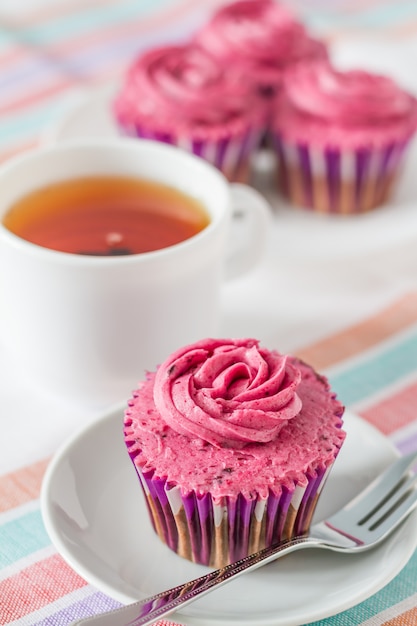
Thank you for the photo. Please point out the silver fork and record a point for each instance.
(360, 525)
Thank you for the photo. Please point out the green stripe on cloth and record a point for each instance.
(377, 372)
(21, 537)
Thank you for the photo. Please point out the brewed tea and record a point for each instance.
(106, 216)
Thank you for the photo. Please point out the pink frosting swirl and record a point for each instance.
(227, 392)
(261, 36)
(247, 28)
(182, 85)
(347, 97)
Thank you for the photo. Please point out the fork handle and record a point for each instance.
(144, 612)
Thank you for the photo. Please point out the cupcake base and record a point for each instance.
(231, 155)
(332, 181)
(218, 533)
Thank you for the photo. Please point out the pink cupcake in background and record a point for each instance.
(232, 444)
(341, 137)
(182, 96)
(261, 37)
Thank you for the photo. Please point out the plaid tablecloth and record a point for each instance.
(354, 319)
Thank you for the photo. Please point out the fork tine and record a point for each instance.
(383, 486)
(392, 500)
(393, 505)
(393, 516)
(380, 507)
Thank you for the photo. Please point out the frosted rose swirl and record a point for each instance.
(227, 392)
(248, 28)
(184, 83)
(260, 37)
(347, 97)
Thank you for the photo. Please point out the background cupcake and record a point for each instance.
(180, 95)
(341, 137)
(261, 37)
(232, 444)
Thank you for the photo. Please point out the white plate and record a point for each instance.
(96, 516)
(298, 234)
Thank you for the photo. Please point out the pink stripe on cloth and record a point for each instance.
(35, 587)
(21, 486)
(395, 412)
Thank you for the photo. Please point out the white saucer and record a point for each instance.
(95, 514)
(298, 234)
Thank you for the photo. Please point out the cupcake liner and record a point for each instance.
(203, 530)
(330, 180)
(231, 155)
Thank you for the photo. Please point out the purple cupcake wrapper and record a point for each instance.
(214, 534)
(338, 181)
(231, 155)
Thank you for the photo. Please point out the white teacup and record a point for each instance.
(86, 328)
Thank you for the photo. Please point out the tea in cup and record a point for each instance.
(112, 254)
(106, 216)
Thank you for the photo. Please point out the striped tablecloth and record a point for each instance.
(356, 324)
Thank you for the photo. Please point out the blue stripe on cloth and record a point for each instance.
(400, 588)
(22, 536)
(377, 372)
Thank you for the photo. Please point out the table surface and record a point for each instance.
(350, 309)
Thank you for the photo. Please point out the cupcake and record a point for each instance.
(232, 444)
(341, 137)
(182, 96)
(262, 38)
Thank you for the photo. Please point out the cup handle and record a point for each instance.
(251, 215)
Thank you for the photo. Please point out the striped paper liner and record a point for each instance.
(218, 533)
(231, 155)
(337, 181)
